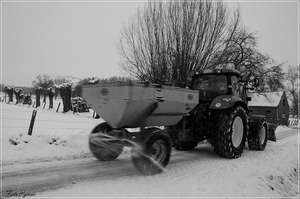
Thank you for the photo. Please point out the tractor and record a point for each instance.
(221, 117)
(214, 108)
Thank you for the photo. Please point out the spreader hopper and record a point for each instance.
(127, 105)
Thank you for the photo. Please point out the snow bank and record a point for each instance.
(55, 136)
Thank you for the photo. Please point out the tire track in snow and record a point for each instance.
(199, 165)
(62, 175)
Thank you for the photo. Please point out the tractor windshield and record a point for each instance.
(211, 86)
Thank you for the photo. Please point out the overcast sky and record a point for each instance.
(79, 39)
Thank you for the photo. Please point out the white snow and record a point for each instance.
(59, 137)
(268, 99)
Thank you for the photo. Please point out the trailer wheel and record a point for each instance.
(229, 132)
(100, 145)
(259, 138)
(154, 155)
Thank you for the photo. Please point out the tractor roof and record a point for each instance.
(220, 71)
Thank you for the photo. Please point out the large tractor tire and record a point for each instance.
(229, 131)
(154, 154)
(102, 144)
(259, 135)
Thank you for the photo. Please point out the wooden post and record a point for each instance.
(57, 107)
(32, 122)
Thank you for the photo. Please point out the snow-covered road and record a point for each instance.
(54, 175)
(49, 176)
(37, 166)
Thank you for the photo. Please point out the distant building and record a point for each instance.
(274, 105)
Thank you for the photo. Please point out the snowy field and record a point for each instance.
(62, 139)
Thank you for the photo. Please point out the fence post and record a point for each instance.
(32, 122)
(57, 107)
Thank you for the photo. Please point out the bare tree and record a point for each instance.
(241, 53)
(272, 78)
(60, 80)
(292, 77)
(167, 41)
(42, 83)
(65, 90)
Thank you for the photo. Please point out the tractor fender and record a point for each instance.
(254, 122)
(227, 101)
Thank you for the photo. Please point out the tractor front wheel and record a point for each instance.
(229, 132)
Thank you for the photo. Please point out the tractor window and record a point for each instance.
(211, 86)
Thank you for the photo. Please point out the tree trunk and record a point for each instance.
(37, 96)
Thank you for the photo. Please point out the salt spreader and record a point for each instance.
(150, 108)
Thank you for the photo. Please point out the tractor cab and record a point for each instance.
(214, 83)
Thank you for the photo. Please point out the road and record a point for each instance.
(40, 177)
(285, 134)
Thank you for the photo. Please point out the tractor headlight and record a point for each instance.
(218, 105)
(226, 99)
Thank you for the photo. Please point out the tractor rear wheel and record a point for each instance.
(154, 154)
(103, 145)
(229, 130)
(259, 138)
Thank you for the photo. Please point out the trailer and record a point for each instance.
(148, 108)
